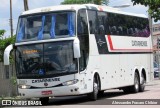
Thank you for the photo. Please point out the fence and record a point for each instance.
(7, 88)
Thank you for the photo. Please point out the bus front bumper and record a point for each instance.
(49, 92)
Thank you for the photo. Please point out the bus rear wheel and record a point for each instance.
(44, 100)
(142, 86)
(135, 87)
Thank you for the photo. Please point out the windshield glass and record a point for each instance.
(51, 59)
(46, 26)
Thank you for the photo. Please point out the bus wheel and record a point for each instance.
(44, 100)
(135, 87)
(101, 93)
(142, 86)
(93, 95)
(127, 89)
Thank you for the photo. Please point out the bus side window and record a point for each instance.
(92, 16)
(102, 17)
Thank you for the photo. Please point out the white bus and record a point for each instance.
(81, 49)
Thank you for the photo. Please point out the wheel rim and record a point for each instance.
(143, 82)
(95, 88)
(136, 84)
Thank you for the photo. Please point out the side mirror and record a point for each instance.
(76, 48)
(6, 54)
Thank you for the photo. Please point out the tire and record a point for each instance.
(94, 94)
(142, 86)
(44, 100)
(135, 87)
(127, 90)
(101, 93)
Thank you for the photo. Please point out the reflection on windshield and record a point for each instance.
(47, 26)
(45, 59)
(59, 57)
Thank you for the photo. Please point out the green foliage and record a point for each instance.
(154, 7)
(4, 43)
(98, 2)
(14, 80)
(2, 33)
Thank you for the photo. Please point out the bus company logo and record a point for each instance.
(45, 84)
(6, 102)
(139, 43)
(45, 80)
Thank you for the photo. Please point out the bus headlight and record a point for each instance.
(24, 86)
(71, 82)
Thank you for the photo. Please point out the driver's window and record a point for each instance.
(82, 29)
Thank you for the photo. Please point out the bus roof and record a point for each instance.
(78, 6)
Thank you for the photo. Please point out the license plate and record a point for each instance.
(46, 92)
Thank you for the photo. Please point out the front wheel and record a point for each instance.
(44, 100)
(93, 95)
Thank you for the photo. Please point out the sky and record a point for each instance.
(18, 8)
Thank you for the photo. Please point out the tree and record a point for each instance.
(4, 43)
(98, 2)
(154, 9)
(2, 32)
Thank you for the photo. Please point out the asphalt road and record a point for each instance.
(152, 91)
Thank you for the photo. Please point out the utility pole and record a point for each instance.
(25, 5)
(151, 33)
(11, 20)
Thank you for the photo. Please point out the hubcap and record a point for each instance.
(136, 84)
(95, 88)
(143, 82)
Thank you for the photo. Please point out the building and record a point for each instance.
(156, 41)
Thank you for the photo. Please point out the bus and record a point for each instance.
(69, 50)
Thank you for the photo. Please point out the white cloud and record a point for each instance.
(6, 3)
(119, 2)
(4, 22)
(139, 9)
(43, 3)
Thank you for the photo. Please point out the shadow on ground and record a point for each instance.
(84, 100)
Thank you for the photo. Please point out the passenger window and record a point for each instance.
(102, 17)
(92, 16)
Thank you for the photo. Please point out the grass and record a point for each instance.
(16, 97)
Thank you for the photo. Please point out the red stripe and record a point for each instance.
(110, 42)
(125, 49)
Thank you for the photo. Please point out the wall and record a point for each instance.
(6, 84)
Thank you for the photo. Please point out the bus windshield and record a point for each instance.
(46, 26)
(45, 59)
